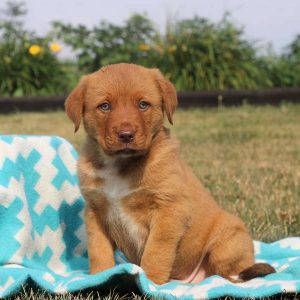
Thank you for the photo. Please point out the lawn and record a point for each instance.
(248, 157)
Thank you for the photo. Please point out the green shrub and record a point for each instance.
(108, 43)
(202, 55)
(290, 60)
(28, 64)
(194, 53)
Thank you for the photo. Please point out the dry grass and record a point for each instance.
(30, 294)
(249, 157)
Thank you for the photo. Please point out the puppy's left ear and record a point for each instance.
(74, 103)
(168, 94)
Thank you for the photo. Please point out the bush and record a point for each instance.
(28, 64)
(195, 54)
(202, 55)
(290, 60)
(108, 43)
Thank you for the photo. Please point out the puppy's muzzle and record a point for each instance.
(126, 136)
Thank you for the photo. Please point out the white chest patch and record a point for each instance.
(129, 229)
(115, 188)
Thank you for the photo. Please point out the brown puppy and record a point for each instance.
(140, 196)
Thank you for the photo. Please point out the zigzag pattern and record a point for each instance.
(67, 182)
(7, 236)
(42, 201)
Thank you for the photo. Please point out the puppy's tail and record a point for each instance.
(257, 270)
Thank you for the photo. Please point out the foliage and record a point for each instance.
(291, 63)
(202, 55)
(195, 54)
(283, 70)
(27, 64)
(108, 43)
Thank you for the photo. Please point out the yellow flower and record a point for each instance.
(34, 50)
(144, 47)
(55, 47)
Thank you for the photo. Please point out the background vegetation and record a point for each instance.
(195, 54)
(27, 64)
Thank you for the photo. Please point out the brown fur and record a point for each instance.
(140, 196)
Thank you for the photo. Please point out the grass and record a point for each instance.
(33, 294)
(112, 295)
(248, 157)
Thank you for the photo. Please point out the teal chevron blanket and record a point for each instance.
(42, 235)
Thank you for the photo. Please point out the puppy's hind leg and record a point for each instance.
(232, 255)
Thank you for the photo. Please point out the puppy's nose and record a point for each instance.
(126, 136)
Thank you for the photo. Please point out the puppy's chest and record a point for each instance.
(128, 234)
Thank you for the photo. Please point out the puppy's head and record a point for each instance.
(122, 107)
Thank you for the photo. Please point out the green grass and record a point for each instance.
(248, 157)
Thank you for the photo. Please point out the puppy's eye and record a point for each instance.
(143, 105)
(105, 106)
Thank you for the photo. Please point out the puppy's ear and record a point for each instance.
(168, 94)
(74, 103)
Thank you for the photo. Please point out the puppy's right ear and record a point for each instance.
(74, 103)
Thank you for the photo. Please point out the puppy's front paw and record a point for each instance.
(157, 279)
(157, 276)
(100, 267)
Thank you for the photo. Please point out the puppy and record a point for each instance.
(140, 196)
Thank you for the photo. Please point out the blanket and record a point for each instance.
(42, 234)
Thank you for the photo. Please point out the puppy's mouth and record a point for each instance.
(113, 147)
(127, 151)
